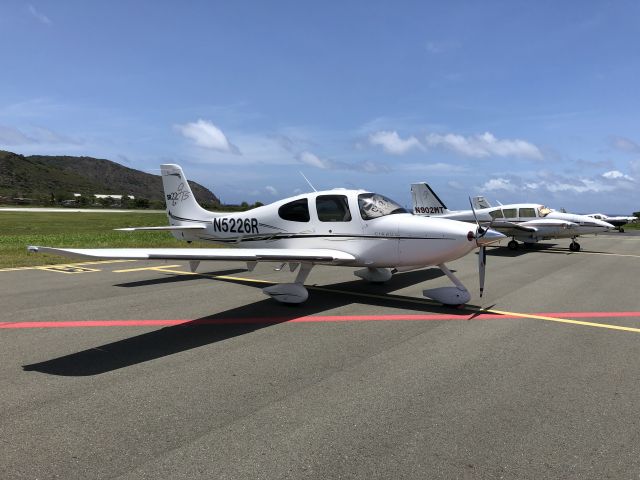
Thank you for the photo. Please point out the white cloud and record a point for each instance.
(438, 47)
(583, 185)
(617, 175)
(309, 158)
(391, 142)
(499, 184)
(206, 135)
(485, 145)
(13, 136)
(367, 166)
(624, 144)
(271, 190)
(434, 168)
(39, 16)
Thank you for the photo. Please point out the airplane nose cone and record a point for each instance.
(491, 236)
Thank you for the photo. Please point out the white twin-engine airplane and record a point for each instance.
(353, 228)
(527, 222)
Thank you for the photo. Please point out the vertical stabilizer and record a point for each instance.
(181, 203)
(425, 200)
(480, 202)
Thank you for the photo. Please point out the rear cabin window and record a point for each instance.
(333, 208)
(509, 212)
(496, 214)
(296, 211)
(527, 212)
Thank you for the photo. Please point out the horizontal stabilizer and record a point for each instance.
(168, 228)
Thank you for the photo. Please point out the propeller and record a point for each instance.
(482, 254)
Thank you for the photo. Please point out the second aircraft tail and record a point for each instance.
(425, 200)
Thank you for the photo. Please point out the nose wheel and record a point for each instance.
(574, 246)
(513, 245)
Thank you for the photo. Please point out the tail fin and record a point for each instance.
(480, 202)
(181, 204)
(425, 200)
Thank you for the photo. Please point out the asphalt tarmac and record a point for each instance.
(137, 370)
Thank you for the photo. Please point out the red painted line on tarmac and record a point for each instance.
(303, 319)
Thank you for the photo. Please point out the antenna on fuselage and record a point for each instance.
(307, 180)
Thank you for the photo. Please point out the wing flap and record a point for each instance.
(313, 255)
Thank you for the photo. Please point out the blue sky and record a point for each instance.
(519, 101)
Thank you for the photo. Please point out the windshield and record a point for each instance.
(373, 205)
(543, 211)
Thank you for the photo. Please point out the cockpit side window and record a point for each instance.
(527, 212)
(333, 208)
(374, 205)
(496, 213)
(509, 212)
(296, 211)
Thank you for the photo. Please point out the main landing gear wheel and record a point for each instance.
(621, 230)
(574, 247)
(513, 245)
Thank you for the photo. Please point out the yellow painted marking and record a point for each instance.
(565, 320)
(40, 267)
(145, 268)
(311, 287)
(68, 269)
(421, 301)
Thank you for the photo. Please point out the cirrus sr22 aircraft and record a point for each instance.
(527, 222)
(353, 228)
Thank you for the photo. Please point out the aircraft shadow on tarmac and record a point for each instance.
(177, 278)
(232, 323)
(523, 249)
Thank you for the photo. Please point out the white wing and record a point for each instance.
(312, 255)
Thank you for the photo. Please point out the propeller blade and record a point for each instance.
(474, 212)
(479, 231)
(482, 263)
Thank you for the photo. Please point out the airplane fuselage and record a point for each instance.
(399, 239)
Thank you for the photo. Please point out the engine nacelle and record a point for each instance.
(375, 275)
(448, 295)
(287, 292)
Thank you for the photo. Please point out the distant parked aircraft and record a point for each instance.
(617, 222)
(527, 222)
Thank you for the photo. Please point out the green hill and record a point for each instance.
(38, 177)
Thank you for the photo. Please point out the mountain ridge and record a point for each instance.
(41, 176)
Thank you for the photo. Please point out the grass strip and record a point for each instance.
(77, 229)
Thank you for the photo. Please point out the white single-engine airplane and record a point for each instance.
(353, 228)
(527, 222)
